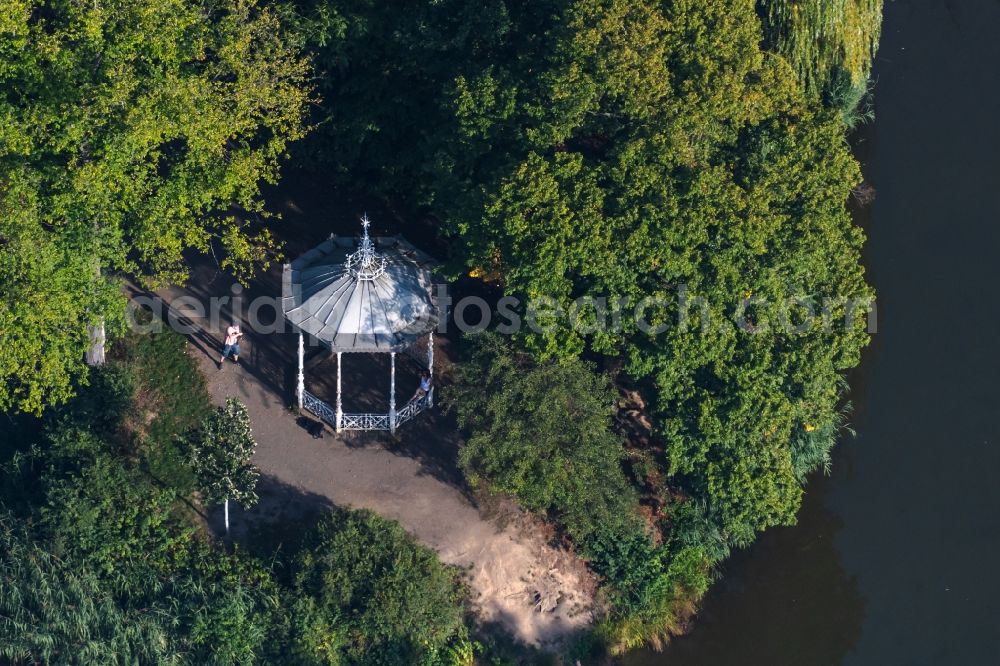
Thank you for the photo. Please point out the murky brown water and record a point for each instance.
(894, 560)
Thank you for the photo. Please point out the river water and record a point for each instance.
(895, 557)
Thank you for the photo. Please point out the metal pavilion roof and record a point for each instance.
(373, 296)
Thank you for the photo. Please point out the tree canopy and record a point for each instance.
(641, 152)
(131, 131)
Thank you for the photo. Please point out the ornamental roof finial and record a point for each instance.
(366, 263)
(365, 223)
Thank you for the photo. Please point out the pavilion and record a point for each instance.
(374, 296)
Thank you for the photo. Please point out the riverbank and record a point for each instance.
(891, 562)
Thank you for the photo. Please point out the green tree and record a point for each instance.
(132, 131)
(659, 151)
(98, 510)
(830, 43)
(220, 454)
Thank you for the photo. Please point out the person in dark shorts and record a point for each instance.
(231, 347)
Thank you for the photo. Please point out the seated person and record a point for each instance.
(425, 386)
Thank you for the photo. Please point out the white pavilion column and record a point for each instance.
(300, 390)
(430, 367)
(340, 405)
(392, 392)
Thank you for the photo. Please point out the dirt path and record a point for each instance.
(410, 479)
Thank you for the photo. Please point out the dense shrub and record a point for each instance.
(103, 511)
(138, 406)
(103, 529)
(210, 608)
(104, 476)
(541, 432)
(366, 593)
(658, 608)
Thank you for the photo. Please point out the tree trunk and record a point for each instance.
(226, 503)
(95, 355)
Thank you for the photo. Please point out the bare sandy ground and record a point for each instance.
(539, 593)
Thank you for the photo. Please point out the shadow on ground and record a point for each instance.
(280, 503)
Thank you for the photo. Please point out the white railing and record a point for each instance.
(411, 409)
(319, 408)
(367, 421)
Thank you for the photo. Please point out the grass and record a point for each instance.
(170, 397)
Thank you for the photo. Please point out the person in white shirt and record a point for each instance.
(232, 344)
(425, 386)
